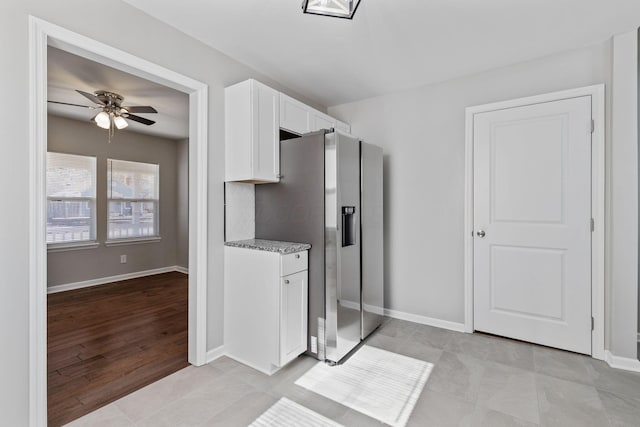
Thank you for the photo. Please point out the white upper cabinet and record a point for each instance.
(321, 121)
(342, 126)
(294, 115)
(254, 115)
(252, 134)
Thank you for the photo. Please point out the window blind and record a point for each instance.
(71, 192)
(133, 192)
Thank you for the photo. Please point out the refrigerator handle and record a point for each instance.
(348, 226)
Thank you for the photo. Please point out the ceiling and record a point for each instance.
(391, 45)
(68, 72)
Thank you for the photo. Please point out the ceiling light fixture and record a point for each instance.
(113, 114)
(120, 122)
(336, 8)
(103, 120)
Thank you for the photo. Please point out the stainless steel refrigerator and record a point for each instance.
(330, 195)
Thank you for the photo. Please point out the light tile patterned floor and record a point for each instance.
(477, 380)
(286, 413)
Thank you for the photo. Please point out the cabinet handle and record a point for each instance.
(297, 256)
(286, 282)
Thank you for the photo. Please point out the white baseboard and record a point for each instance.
(111, 279)
(214, 354)
(618, 362)
(181, 269)
(438, 323)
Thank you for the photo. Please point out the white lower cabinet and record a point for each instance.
(293, 316)
(265, 307)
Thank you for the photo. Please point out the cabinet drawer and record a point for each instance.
(292, 263)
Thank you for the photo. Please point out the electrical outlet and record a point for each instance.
(123, 259)
(314, 345)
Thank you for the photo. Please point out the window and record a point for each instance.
(133, 196)
(71, 198)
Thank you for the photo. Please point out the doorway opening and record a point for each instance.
(117, 235)
(44, 35)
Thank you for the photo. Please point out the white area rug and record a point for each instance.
(286, 413)
(376, 382)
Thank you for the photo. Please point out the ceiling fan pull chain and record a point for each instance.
(110, 128)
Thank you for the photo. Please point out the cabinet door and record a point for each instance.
(266, 133)
(294, 115)
(321, 121)
(293, 316)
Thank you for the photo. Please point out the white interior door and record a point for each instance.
(532, 223)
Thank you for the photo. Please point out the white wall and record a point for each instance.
(422, 134)
(240, 211)
(638, 120)
(129, 29)
(182, 226)
(79, 137)
(623, 196)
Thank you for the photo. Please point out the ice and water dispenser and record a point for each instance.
(348, 226)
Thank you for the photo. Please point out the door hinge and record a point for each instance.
(593, 322)
(593, 126)
(593, 225)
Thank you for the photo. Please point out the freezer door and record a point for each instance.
(342, 244)
(372, 238)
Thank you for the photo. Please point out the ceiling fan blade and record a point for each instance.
(138, 119)
(91, 97)
(140, 109)
(73, 105)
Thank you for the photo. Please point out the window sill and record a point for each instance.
(75, 246)
(134, 241)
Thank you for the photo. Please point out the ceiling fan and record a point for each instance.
(113, 114)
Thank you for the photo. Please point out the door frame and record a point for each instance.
(41, 35)
(597, 93)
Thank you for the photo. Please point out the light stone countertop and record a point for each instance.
(270, 246)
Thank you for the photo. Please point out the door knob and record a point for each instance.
(480, 233)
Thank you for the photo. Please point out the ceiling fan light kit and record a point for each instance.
(120, 122)
(334, 8)
(113, 115)
(103, 120)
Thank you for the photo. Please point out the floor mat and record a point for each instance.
(375, 382)
(286, 413)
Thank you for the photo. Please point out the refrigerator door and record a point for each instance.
(342, 244)
(372, 238)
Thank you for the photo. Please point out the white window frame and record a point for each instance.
(111, 241)
(92, 242)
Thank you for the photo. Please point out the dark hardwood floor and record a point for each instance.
(107, 341)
